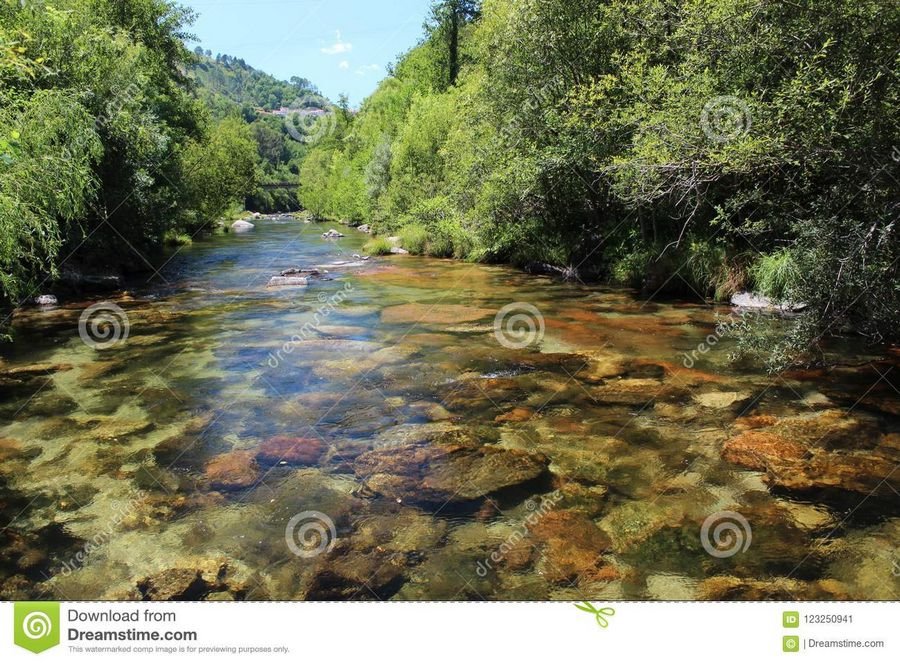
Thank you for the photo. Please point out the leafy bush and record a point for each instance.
(414, 238)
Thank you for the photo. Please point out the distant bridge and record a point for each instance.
(279, 185)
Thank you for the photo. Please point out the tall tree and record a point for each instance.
(447, 18)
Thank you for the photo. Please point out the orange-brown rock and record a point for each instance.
(9, 449)
(431, 314)
(760, 450)
(755, 421)
(515, 415)
(858, 472)
(284, 449)
(572, 544)
(450, 468)
(232, 470)
(720, 588)
(636, 391)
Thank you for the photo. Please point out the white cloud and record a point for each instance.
(343, 64)
(367, 69)
(338, 47)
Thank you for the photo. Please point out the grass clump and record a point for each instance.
(173, 238)
(414, 238)
(377, 246)
(776, 274)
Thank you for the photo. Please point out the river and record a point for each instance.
(412, 428)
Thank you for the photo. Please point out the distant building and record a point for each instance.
(284, 111)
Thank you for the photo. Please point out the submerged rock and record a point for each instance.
(358, 576)
(331, 233)
(233, 470)
(573, 546)
(805, 453)
(432, 314)
(174, 585)
(10, 449)
(286, 450)
(637, 391)
(720, 400)
(515, 415)
(633, 523)
(722, 588)
(446, 470)
(759, 450)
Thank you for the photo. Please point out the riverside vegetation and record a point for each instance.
(115, 138)
(695, 148)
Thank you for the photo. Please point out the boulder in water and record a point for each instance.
(242, 226)
(287, 281)
(46, 300)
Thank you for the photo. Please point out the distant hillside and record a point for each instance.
(230, 87)
(225, 81)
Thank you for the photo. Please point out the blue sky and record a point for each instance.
(340, 45)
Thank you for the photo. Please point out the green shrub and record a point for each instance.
(414, 238)
(377, 246)
(174, 238)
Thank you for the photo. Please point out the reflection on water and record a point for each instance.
(377, 435)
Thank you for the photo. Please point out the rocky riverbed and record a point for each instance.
(410, 428)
